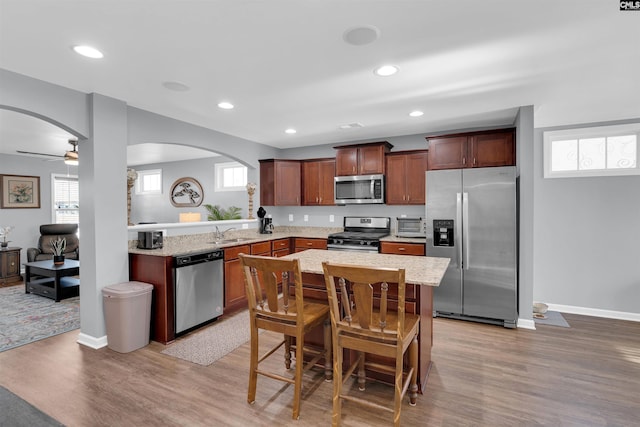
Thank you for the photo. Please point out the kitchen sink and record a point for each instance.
(236, 240)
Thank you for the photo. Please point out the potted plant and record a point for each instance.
(4, 232)
(59, 245)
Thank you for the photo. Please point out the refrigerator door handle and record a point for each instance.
(458, 239)
(465, 228)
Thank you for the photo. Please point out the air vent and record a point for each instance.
(352, 126)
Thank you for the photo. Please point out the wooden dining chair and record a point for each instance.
(278, 311)
(361, 321)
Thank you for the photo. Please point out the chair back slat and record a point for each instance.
(356, 286)
(363, 299)
(260, 277)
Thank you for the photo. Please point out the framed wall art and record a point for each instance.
(186, 192)
(19, 192)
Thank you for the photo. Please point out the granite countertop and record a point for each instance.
(195, 243)
(419, 270)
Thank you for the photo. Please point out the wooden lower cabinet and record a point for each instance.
(235, 296)
(302, 244)
(158, 271)
(401, 248)
(10, 265)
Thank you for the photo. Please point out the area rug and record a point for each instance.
(17, 412)
(213, 342)
(553, 318)
(25, 318)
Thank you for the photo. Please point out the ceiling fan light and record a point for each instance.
(71, 158)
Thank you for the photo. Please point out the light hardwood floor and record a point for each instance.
(483, 375)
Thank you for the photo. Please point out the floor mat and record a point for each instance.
(553, 318)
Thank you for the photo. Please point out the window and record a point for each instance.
(597, 151)
(149, 182)
(66, 199)
(230, 176)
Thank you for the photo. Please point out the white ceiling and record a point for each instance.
(465, 63)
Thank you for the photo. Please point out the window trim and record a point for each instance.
(586, 133)
(138, 184)
(55, 176)
(218, 172)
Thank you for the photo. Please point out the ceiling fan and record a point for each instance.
(70, 157)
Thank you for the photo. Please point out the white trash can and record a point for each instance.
(127, 315)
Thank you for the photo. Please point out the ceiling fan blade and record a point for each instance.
(39, 154)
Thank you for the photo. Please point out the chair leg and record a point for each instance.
(397, 400)
(337, 383)
(298, 376)
(413, 360)
(287, 351)
(361, 375)
(253, 364)
(328, 369)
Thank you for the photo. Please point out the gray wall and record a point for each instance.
(587, 238)
(158, 208)
(27, 221)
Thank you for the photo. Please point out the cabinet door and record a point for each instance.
(311, 183)
(415, 168)
(234, 292)
(327, 171)
(287, 184)
(448, 153)
(371, 160)
(347, 161)
(493, 149)
(396, 180)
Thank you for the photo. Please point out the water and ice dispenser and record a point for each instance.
(442, 232)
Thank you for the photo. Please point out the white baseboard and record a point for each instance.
(596, 312)
(93, 342)
(526, 324)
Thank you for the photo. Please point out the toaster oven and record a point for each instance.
(410, 227)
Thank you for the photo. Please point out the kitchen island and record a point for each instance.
(421, 275)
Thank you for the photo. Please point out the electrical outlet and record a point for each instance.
(290, 217)
(306, 218)
(245, 226)
(332, 218)
(403, 216)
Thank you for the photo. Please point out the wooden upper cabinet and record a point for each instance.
(406, 177)
(317, 182)
(280, 182)
(492, 149)
(472, 150)
(448, 152)
(361, 159)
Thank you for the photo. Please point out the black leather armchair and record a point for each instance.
(49, 233)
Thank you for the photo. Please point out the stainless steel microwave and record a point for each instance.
(359, 189)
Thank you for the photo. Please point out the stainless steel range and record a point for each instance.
(360, 234)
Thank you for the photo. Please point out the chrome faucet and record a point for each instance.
(219, 235)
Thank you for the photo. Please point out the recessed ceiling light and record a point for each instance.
(88, 51)
(354, 125)
(226, 105)
(177, 86)
(361, 35)
(290, 131)
(386, 70)
(416, 113)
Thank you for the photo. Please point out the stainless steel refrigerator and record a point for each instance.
(472, 219)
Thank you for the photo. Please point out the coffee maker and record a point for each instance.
(266, 224)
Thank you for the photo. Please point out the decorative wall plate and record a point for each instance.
(186, 192)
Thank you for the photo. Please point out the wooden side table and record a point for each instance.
(10, 265)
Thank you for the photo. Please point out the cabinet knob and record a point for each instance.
(401, 249)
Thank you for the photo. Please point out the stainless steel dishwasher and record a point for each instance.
(198, 289)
